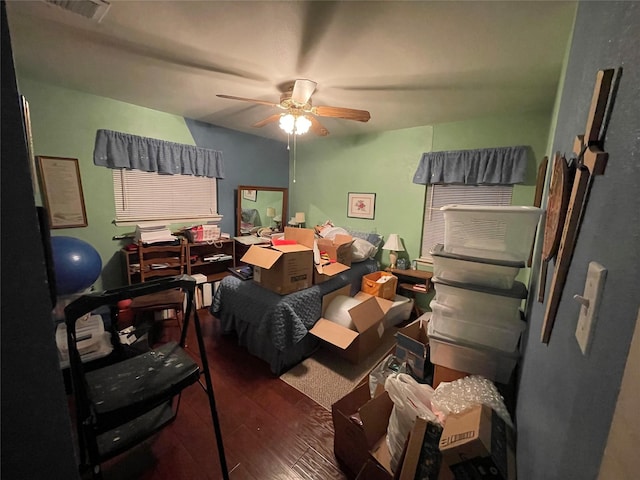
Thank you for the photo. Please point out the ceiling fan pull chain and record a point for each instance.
(295, 143)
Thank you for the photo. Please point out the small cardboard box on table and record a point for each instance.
(284, 268)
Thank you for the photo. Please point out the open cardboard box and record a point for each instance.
(358, 422)
(285, 268)
(413, 347)
(322, 273)
(354, 345)
(338, 248)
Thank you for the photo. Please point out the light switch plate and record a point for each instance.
(590, 302)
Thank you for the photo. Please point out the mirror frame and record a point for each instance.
(285, 202)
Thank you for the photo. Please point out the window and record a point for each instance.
(440, 195)
(143, 196)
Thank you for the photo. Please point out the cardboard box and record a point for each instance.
(372, 286)
(322, 273)
(338, 248)
(354, 345)
(358, 422)
(286, 268)
(413, 347)
(360, 425)
(478, 443)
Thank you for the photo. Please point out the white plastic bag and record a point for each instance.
(410, 400)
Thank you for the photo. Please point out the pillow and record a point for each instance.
(330, 232)
(362, 249)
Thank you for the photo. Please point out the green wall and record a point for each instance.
(328, 169)
(64, 124)
(384, 164)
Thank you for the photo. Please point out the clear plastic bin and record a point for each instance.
(482, 330)
(478, 271)
(493, 364)
(498, 233)
(467, 299)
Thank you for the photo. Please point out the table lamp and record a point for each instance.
(271, 212)
(300, 218)
(394, 245)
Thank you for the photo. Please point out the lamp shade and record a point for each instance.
(393, 243)
(300, 217)
(271, 212)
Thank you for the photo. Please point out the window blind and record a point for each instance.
(440, 195)
(143, 196)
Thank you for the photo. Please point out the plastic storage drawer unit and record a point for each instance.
(473, 300)
(498, 233)
(472, 359)
(478, 271)
(485, 331)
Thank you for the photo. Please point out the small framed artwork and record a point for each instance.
(249, 195)
(62, 192)
(361, 205)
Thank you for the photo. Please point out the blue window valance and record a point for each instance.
(122, 150)
(493, 166)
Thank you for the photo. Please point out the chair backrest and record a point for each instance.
(158, 261)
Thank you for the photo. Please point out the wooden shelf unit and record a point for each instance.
(197, 251)
(214, 270)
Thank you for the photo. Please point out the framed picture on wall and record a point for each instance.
(250, 195)
(62, 192)
(361, 205)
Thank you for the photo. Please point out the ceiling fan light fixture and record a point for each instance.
(302, 125)
(294, 124)
(287, 123)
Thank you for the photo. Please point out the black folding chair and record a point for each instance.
(120, 405)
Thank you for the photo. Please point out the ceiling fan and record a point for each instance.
(300, 114)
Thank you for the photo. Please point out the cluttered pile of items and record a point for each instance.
(394, 427)
(407, 421)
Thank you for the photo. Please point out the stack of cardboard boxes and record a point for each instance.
(290, 265)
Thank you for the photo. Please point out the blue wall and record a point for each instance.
(566, 399)
(248, 160)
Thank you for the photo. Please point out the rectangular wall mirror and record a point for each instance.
(259, 208)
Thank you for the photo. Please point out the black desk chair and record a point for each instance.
(122, 404)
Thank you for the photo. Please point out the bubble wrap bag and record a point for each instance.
(461, 394)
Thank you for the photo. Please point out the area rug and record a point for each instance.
(325, 377)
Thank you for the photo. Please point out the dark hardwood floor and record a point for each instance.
(270, 430)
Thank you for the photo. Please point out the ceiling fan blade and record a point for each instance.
(339, 112)
(317, 127)
(250, 100)
(302, 91)
(266, 121)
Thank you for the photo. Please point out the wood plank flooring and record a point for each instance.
(269, 429)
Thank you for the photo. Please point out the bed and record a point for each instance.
(275, 327)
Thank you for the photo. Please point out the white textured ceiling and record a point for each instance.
(408, 63)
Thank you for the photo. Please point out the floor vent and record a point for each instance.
(92, 9)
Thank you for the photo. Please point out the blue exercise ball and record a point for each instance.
(76, 264)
